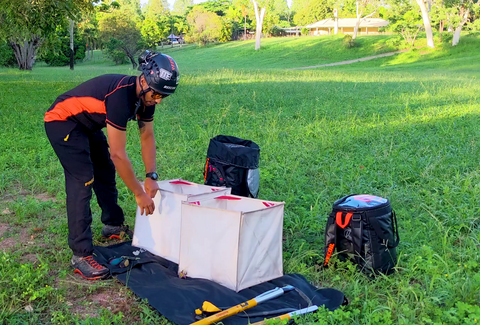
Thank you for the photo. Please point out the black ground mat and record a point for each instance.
(154, 278)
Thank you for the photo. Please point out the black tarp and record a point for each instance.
(154, 278)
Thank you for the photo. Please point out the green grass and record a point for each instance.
(403, 127)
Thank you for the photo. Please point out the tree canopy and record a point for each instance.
(31, 22)
(123, 28)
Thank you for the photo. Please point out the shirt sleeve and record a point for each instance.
(146, 113)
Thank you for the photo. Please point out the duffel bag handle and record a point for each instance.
(343, 199)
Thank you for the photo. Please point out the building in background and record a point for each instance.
(369, 26)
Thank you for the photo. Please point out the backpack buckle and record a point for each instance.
(357, 217)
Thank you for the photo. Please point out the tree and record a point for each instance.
(180, 6)
(309, 11)
(204, 26)
(55, 51)
(426, 23)
(363, 6)
(406, 20)
(31, 22)
(157, 23)
(259, 21)
(458, 13)
(155, 8)
(243, 11)
(155, 30)
(121, 25)
(88, 30)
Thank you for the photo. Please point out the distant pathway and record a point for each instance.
(351, 61)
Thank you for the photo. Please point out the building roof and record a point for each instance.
(349, 22)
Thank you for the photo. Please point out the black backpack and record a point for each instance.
(233, 162)
(363, 228)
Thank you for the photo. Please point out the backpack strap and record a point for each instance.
(343, 223)
(357, 234)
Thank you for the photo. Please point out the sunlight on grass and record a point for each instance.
(403, 127)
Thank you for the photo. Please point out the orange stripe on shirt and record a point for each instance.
(74, 106)
(118, 87)
(116, 126)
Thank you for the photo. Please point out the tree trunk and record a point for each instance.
(426, 23)
(359, 20)
(355, 29)
(25, 51)
(245, 30)
(456, 34)
(259, 18)
(71, 45)
(440, 30)
(132, 60)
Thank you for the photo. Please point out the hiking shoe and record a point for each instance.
(88, 268)
(117, 232)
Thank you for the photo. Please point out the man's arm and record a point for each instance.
(117, 140)
(149, 153)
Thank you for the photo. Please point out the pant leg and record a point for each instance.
(71, 145)
(105, 185)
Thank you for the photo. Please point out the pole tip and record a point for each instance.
(288, 288)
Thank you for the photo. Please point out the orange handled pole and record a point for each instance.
(244, 305)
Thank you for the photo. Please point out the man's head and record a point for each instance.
(159, 72)
(148, 95)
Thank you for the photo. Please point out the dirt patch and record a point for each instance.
(23, 237)
(114, 298)
(44, 197)
(3, 228)
(28, 258)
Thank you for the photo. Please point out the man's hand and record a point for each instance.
(145, 203)
(151, 187)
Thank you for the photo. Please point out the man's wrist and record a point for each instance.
(152, 175)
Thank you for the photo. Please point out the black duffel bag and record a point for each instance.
(363, 228)
(233, 162)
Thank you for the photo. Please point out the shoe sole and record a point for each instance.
(100, 277)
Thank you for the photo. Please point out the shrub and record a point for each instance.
(305, 31)
(394, 42)
(446, 37)
(276, 31)
(348, 41)
(112, 52)
(7, 57)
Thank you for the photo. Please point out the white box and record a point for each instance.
(232, 240)
(159, 233)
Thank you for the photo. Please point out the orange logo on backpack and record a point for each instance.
(331, 247)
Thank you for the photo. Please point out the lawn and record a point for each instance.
(404, 127)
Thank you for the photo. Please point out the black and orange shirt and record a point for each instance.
(105, 99)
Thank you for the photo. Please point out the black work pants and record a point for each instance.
(86, 161)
